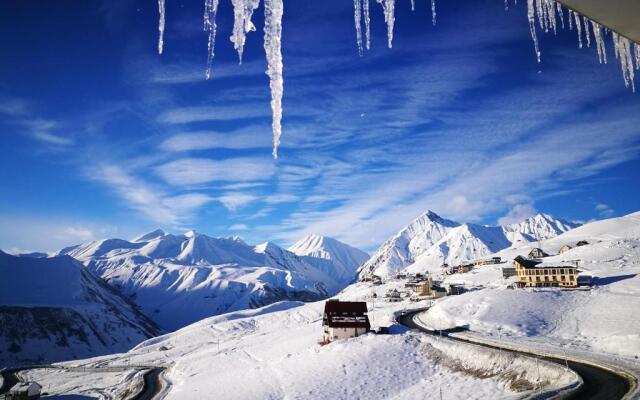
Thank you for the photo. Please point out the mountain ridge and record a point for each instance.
(430, 241)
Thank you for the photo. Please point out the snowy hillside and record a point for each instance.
(180, 279)
(603, 319)
(53, 309)
(273, 353)
(330, 255)
(431, 241)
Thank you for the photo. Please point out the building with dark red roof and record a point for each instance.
(344, 319)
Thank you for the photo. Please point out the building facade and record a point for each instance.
(344, 319)
(533, 273)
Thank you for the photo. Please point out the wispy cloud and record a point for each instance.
(148, 199)
(194, 171)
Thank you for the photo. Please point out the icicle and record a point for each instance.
(587, 34)
(637, 47)
(570, 20)
(242, 13)
(600, 45)
(433, 12)
(367, 30)
(506, 5)
(413, 5)
(357, 7)
(273, 10)
(388, 6)
(532, 27)
(210, 11)
(161, 26)
(578, 29)
(623, 52)
(560, 14)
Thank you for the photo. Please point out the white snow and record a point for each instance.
(180, 279)
(430, 241)
(274, 353)
(603, 319)
(325, 252)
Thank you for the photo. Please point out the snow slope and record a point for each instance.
(273, 353)
(54, 309)
(604, 319)
(330, 255)
(430, 241)
(180, 279)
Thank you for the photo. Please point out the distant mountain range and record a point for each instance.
(430, 241)
(54, 309)
(180, 279)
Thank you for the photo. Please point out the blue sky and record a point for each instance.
(101, 137)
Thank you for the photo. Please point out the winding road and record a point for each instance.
(599, 383)
(152, 378)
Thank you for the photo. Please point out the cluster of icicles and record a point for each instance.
(547, 14)
(242, 12)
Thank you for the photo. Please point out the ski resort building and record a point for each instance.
(537, 253)
(533, 273)
(344, 319)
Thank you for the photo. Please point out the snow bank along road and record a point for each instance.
(599, 383)
(151, 385)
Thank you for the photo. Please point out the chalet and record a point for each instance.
(564, 249)
(393, 295)
(376, 280)
(344, 319)
(24, 391)
(487, 261)
(533, 273)
(401, 275)
(537, 253)
(582, 243)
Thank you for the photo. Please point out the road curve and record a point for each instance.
(151, 384)
(599, 383)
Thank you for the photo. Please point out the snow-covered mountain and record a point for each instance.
(180, 279)
(54, 309)
(430, 241)
(331, 256)
(541, 227)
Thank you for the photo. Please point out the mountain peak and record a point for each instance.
(149, 236)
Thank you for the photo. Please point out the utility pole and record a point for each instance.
(538, 380)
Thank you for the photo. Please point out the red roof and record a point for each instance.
(346, 314)
(337, 306)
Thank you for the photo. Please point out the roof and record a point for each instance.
(337, 306)
(619, 15)
(527, 263)
(346, 314)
